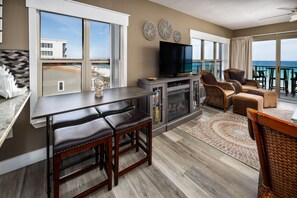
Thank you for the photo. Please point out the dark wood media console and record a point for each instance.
(176, 101)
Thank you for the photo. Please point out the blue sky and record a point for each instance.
(266, 50)
(54, 26)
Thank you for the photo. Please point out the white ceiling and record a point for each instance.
(233, 14)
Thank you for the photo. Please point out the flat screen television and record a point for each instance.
(175, 59)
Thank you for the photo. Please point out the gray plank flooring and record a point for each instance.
(183, 166)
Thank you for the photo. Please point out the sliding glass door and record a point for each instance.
(275, 65)
(288, 66)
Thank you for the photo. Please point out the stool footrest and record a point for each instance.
(93, 189)
(131, 167)
(72, 175)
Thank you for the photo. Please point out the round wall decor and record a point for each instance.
(165, 29)
(150, 31)
(177, 36)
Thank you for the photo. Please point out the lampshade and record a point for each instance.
(293, 18)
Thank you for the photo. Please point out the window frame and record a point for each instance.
(75, 9)
(223, 42)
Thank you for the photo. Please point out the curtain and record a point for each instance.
(241, 54)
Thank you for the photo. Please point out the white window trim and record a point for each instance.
(71, 8)
(194, 34)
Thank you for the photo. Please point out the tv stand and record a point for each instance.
(176, 101)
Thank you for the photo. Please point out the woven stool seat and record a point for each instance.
(114, 108)
(74, 118)
(73, 136)
(133, 121)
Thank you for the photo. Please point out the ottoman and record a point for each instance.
(269, 97)
(242, 101)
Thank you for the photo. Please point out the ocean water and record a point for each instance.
(272, 63)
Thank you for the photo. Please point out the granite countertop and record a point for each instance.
(10, 109)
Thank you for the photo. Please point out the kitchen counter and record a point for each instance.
(10, 109)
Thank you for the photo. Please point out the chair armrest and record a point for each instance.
(252, 82)
(226, 85)
(237, 86)
(251, 132)
(214, 91)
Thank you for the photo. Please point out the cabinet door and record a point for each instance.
(158, 105)
(195, 103)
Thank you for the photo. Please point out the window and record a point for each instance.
(197, 62)
(100, 41)
(208, 50)
(65, 35)
(210, 53)
(61, 53)
(60, 31)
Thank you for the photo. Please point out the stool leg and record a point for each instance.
(57, 163)
(108, 160)
(132, 138)
(137, 140)
(150, 145)
(96, 154)
(102, 152)
(116, 159)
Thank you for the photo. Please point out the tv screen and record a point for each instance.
(174, 59)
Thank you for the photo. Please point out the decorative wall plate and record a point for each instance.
(165, 29)
(150, 31)
(177, 36)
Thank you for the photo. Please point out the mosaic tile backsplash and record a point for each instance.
(18, 63)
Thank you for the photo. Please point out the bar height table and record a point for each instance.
(52, 105)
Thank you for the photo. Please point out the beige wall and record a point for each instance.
(142, 54)
(267, 29)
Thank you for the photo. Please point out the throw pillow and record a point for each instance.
(208, 78)
(237, 75)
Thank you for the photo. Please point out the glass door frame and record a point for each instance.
(277, 37)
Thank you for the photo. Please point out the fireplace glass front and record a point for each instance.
(178, 104)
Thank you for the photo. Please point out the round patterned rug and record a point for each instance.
(228, 132)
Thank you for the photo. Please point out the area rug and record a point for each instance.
(228, 132)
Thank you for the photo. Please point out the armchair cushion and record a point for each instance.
(209, 78)
(228, 92)
(237, 75)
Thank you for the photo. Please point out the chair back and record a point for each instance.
(234, 74)
(208, 78)
(276, 141)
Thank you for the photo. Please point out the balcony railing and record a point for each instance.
(288, 76)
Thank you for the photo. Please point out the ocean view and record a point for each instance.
(272, 63)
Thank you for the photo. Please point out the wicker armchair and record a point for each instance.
(240, 83)
(277, 149)
(218, 94)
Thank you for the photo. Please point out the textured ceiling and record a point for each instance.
(234, 14)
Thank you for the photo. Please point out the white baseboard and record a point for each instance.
(23, 160)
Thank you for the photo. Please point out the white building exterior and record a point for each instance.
(53, 48)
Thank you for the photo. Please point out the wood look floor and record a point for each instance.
(183, 166)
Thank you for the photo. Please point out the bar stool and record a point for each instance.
(78, 138)
(127, 122)
(114, 108)
(74, 118)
